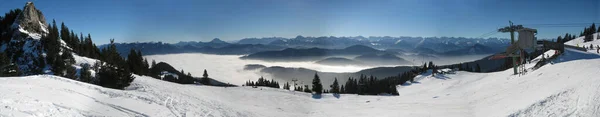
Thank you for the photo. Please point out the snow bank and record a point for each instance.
(84, 60)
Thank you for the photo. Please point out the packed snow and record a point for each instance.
(568, 87)
(80, 61)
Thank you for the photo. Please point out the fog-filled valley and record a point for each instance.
(231, 68)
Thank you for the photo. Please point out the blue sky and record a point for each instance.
(203, 20)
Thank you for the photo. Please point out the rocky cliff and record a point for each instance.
(31, 20)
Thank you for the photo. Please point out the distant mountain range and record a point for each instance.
(381, 59)
(216, 46)
(339, 61)
(423, 45)
(365, 60)
(311, 54)
(438, 44)
(474, 50)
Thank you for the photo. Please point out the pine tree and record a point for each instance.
(477, 68)
(153, 63)
(370, 85)
(567, 38)
(205, 80)
(335, 88)
(114, 73)
(6, 67)
(342, 89)
(362, 85)
(71, 73)
(286, 86)
(306, 89)
(114, 77)
(433, 68)
(592, 28)
(430, 65)
(67, 61)
(146, 67)
(317, 87)
(52, 46)
(85, 75)
(349, 87)
(136, 64)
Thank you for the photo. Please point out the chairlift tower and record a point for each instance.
(526, 40)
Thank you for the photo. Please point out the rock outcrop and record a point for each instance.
(25, 47)
(31, 20)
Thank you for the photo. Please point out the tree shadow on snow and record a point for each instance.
(316, 96)
(336, 95)
(442, 76)
(570, 55)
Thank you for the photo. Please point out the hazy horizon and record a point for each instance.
(191, 20)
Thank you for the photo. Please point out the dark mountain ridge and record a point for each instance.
(311, 54)
(428, 45)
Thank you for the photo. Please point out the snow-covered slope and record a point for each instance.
(568, 87)
(580, 41)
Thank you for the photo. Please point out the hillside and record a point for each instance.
(382, 59)
(547, 91)
(31, 46)
(476, 49)
(580, 42)
(338, 61)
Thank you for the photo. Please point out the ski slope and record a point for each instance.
(580, 42)
(568, 87)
